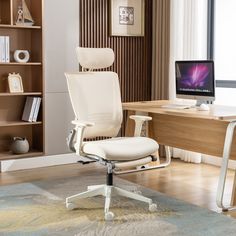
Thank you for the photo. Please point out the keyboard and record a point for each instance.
(176, 106)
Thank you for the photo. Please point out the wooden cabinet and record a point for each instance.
(11, 105)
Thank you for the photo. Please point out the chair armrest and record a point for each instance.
(139, 121)
(82, 123)
(80, 128)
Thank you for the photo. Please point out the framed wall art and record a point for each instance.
(127, 17)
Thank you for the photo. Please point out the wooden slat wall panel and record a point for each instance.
(133, 54)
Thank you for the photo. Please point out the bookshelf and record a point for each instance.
(12, 104)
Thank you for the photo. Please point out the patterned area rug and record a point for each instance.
(38, 209)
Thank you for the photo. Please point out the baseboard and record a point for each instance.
(216, 161)
(37, 162)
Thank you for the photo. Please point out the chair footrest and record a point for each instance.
(85, 162)
(134, 163)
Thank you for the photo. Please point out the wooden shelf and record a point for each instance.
(18, 123)
(20, 94)
(9, 155)
(21, 64)
(19, 27)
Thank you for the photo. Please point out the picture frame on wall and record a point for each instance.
(15, 83)
(127, 18)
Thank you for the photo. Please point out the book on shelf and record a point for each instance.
(36, 110)
(7, 48)
(31, 109)
(4, 49)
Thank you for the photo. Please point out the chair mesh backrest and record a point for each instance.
(95, 97)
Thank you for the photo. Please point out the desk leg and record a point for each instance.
(224, 167)
(168, 157)
(130, 125)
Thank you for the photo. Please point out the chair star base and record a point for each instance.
(108, 191)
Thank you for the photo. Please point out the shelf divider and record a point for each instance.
(11, 13)
(9, 155)
(21, 64)
(18, 123)
(21, 94)
(12, 26)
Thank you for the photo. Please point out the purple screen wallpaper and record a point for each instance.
(195, 77)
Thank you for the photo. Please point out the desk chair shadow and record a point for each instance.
(96, 101)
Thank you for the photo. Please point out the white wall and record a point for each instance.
(61, 37)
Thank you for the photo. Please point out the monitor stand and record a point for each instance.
(200, 102)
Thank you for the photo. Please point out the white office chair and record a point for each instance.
(96, 101)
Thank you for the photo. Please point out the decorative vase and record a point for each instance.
(21, 56)
(20, 145)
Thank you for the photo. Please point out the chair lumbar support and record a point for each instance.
(107, 191)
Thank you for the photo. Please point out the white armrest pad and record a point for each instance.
(82, 123)
(140, 118)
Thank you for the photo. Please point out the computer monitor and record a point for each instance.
(195, 80)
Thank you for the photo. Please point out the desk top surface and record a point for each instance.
(216, 112)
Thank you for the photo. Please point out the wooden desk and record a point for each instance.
(208, 132)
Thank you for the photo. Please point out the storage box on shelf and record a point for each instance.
(22, 37)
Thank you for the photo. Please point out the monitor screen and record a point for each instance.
(195, 78)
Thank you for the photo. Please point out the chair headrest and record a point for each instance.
(95, 58)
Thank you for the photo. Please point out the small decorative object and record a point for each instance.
(23, 15)
(21, 56)
(20, 17)
(20, 145)
(15, 83)
(127, 17)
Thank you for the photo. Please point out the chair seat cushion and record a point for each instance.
(121, 149)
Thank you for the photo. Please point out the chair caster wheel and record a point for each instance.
(153, 207)
(70, 206)
(109, 216)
